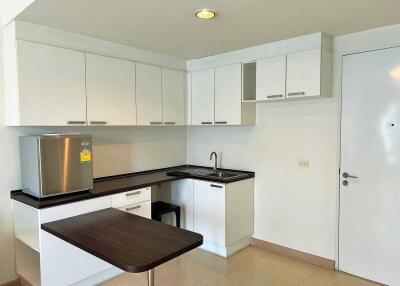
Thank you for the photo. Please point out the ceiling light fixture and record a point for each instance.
(205, 14)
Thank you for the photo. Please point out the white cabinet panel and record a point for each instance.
(51, 84)
(110, 85)
(141, 209)
(173, 94)
(131, 197)
(228, 94)
(209, 211)
(148, 95)
(271, 78)
(304, 74)
(203, 97)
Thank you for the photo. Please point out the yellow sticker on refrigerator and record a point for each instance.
(86, 155)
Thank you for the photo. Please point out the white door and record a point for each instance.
(271, 78)
(148, 95)
(209, 211)
(173, 94)
(228, 95)
(203, 97)
(51, 85)
(303, 76)
(110, 87)
(369, 232)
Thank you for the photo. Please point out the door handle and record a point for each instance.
(347, 175)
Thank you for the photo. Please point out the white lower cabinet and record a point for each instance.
(141, 209)
(223, 214)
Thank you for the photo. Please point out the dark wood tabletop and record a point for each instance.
(127, 241)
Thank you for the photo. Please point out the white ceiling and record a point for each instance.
(169, 26)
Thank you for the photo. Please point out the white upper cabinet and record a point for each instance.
(148, 95)
(304, 74)
(110, 86)
(173, 96)
(228, 95)
(51, 86)
(271, 78)
(203, 97)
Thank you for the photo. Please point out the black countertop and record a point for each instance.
(123, 183)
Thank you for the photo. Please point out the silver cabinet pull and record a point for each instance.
(275, 96)
(98, 122)
(221, 122)
(169, 123)
(347, 175)
(216, 186)
(133, 208)
(206, 122)
(133, 194)
(155, 122)
(74, 122)
(296, 93)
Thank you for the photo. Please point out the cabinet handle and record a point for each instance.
(169, 123)
(296, 93)
(206, 122)
(221, 122)
(133, 208)
(98, 122)
(216, 186)
(133, 194)
(72, 122)
(275, 96)
(155, 123)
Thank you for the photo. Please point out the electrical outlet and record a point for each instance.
(304, 163)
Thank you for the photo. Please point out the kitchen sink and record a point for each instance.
(204, 173)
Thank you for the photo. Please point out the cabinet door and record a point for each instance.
(271, 78)
(173, 93)
(51, 85)
(203, 97)
(209, 211)
(228, 94)
(110, 86)
(148, 95)
(303, 74)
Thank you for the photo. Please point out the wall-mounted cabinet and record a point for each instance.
(173, 96)
(271, 78)
(148, 95)
(217, 97)
(110, 86)
(48, 86)
(203, 97)
(295, 75)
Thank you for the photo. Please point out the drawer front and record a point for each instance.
(141, 209)
(131, 197)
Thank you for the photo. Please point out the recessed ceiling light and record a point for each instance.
(205, 14)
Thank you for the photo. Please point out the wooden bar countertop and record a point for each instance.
(127, 241)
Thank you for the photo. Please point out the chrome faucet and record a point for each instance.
(216, 160)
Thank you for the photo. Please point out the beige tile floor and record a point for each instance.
(251, 266)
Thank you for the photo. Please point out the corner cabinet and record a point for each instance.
(217, 97)
(46, 87)
(110, 87)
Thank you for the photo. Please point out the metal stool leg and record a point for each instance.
(178, 218)
(150, 277)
